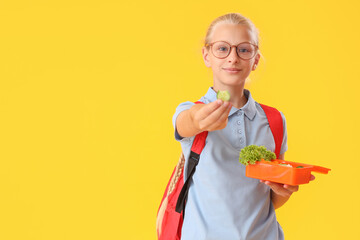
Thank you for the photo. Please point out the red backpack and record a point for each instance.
(170, 214)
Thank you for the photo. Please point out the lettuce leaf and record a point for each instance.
(252, 153)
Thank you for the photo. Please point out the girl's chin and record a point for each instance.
(232, 83)
(233, 79)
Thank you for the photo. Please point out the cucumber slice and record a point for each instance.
(284, 164)
(223, 95)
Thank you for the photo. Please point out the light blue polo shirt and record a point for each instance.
(224, 204)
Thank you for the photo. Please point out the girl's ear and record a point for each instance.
(205, 54)
(256, 62)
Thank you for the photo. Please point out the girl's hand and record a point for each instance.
(280, 193)
(212, 116)
(284, 189)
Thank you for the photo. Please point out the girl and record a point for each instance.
(222, 203)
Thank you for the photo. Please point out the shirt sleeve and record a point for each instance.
(284, 145)
(182, 107)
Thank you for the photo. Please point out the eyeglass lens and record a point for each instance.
(244, 50)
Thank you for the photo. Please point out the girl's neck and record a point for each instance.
(237, 96)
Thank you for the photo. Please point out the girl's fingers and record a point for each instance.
(213, 118)
(276, 187)
(222, 119)
(284, 190)
(209, 108)
(291, 188)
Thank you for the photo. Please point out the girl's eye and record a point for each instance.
(224, 49)
(243, 50)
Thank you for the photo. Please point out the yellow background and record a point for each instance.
(88, 90)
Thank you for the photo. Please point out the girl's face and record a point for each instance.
(223, 77)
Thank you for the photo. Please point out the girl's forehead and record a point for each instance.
(232, 33)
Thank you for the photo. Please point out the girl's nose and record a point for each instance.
(233, 55)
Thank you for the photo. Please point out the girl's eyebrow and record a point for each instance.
(231, 43)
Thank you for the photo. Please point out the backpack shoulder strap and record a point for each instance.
(199, 141)
(196, 149)
(276, 126)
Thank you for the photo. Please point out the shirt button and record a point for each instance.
(239, 131)
(241, 140)
(239, 122)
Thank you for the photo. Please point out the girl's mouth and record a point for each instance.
(232, 70)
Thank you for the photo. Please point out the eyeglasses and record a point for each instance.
(222, 49)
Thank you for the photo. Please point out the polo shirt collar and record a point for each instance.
(249, 108)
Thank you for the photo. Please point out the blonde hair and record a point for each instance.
(233, 18)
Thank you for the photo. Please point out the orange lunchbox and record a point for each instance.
(281, 171)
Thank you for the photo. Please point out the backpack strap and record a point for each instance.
(196, 149)
(276, 126)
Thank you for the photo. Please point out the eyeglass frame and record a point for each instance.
(231, 46)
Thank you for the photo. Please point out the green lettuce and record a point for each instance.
(252, 153)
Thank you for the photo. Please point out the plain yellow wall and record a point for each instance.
(88, 90)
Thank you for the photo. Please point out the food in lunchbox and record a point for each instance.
(284, 164)
(253, 153)
(261, 164)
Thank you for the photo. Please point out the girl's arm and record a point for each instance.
(203, 117)
(280, 193)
